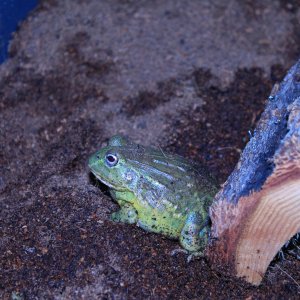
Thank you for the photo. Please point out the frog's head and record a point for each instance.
(110, 165)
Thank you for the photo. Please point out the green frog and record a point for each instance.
(159, 192)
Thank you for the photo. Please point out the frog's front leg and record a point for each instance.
(126, 213)
(194, 234)
(122, 197)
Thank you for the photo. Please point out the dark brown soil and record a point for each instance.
(188, 76)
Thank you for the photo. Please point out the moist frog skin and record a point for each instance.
(159, 192)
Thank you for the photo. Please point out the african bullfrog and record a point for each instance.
(159, 192)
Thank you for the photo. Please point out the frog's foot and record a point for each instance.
(195, 255)
(127, 214)
(190, 255)
(179, 250)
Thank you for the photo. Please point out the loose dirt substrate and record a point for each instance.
(190, 77)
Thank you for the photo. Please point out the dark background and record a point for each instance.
(11, 13)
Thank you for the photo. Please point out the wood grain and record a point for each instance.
(276, 218)
(258, 208)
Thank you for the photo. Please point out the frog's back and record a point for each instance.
(168, 181)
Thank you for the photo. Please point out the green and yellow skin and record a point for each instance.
(159, 192)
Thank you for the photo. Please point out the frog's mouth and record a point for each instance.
(103, 180)
(109, 184)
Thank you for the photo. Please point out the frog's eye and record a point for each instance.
(111, 160)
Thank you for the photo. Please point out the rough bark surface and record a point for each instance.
(258, 209)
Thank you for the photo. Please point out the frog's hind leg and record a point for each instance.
(194, 235)
(190, 239)
(126, 214)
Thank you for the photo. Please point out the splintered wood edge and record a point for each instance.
(252, 232)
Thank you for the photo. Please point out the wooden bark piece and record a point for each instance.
(258, 209)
